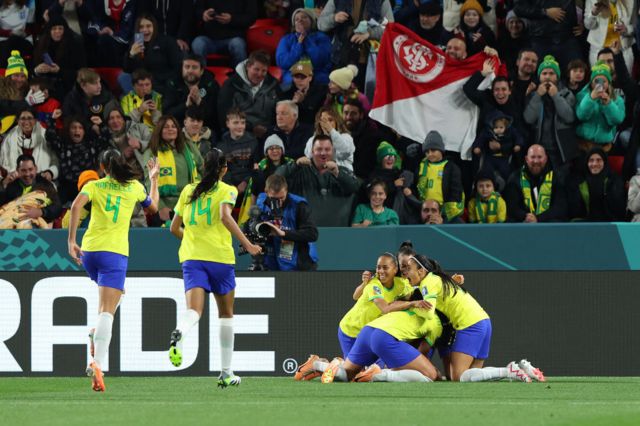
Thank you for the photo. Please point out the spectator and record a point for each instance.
(440, 179)
(293, 134)
(522, 82)
(252, 90)
(451, 16)
(77, 150)
(633, 202)
(109, 30)
(430, 213)
(305, 42)
(599, 109)
(142, 104)
(610, 22)
(15, 15)
(224, 25)
(26, 179)
(596, 194)
(429, 24)
(88, 99)
(495, 144)
(17, 72)
(551, 28)
(239, 148)
(375, 213)
(475, 33)
(536, 193)
(12, 102)
(155, 52)
(486, 206)
(66, 56)
(513, 40)
(365, 134)
(196, 87)
(45, 110)
(329, 123)
(180, 164)
(342, 89)
(304, 91)
(195, 131)
(291, 245)
(329, 188)
(577, 72)
(174, 18)
(550, 111)
(352, 26)
(28, 137)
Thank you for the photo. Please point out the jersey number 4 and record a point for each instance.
(115, 207)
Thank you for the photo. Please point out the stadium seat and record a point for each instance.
(110, 76)
(2, 70)
(220, 73)
(276, 72)
(615, 164)
(216, 59)
(272, 22)
(265, 38)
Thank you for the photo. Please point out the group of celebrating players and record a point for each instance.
(410, 308)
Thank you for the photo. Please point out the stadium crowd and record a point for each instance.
(285, 87)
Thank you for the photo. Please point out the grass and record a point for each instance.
(282, 401)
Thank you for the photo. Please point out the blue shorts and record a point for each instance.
(213, 277)
(106, 268)
(373, 343)
(346, 342)
(474, 341)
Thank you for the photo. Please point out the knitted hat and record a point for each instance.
(303, 67)
(273, 140)
(433, 141)
(431, 8)
(15, 65)
(308, 12)
(87, 176)
(384, 149)
(344, 76)
(471, 5)
(601, 69)
(549, 62)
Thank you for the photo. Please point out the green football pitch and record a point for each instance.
(282, 401)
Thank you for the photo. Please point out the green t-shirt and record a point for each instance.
(364, 212)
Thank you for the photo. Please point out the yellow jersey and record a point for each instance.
(112, 205)
(205, 237)
(461, 309)
(365, 310)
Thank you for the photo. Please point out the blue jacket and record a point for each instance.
(316, 46)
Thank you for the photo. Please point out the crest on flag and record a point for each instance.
(416, 61)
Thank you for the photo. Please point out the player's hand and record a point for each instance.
(153, 165)
(253, 249)
(458, 278)
(421, 304)
(75, 252)
(366, 276)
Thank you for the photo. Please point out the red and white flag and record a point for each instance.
(419, 89)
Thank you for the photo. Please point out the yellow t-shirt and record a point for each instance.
(430, 183)
(461, 309)
(112, 205)
(410, 325)
(611, 34)
(365, 310)
(205, 237)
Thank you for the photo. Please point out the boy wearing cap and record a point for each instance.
(440, 179)
(550, 110)
(307, 95)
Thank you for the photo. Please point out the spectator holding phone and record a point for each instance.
(143, 104)
(599, 110)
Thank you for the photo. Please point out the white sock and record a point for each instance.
(484, 374)
(226, 344)
(320, 366)
(400, 376)
(102, 337)
(186, 323)
(341, 375)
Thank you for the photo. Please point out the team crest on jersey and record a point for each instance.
(203, 92)
(416, 61)
(376, 290)
(166, 171)
(233, 196)
(96, 109)
(424, 291)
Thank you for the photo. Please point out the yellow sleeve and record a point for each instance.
(230, 196)
(373, 291)
(407, 289)
(431, 287)
(502, 210)
(89, 190)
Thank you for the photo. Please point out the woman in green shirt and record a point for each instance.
(375, 213)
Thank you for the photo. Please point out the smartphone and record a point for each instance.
(138, 38)
(147, 97)
(46, 58)
(599, 87)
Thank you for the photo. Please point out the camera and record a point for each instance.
(258, 231)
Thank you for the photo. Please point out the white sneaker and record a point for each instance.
(533, 372)
(514, 372)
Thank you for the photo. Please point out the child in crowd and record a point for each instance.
(375, 213)
(142, 104)
(195, 130)
(341, 89)
(577, 72)
(50, 104)
(472, 29)
(496, 143)
(239, 148)
(487, 206)
(440, 179)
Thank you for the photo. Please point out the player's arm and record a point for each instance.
(74, 220)
(400, 305)
(176, 226)
(153, 165)
(366, 276)
(231, 225)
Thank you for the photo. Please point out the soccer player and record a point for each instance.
(207, 257)
(375, 297)
(105, 245)
(465, 358)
